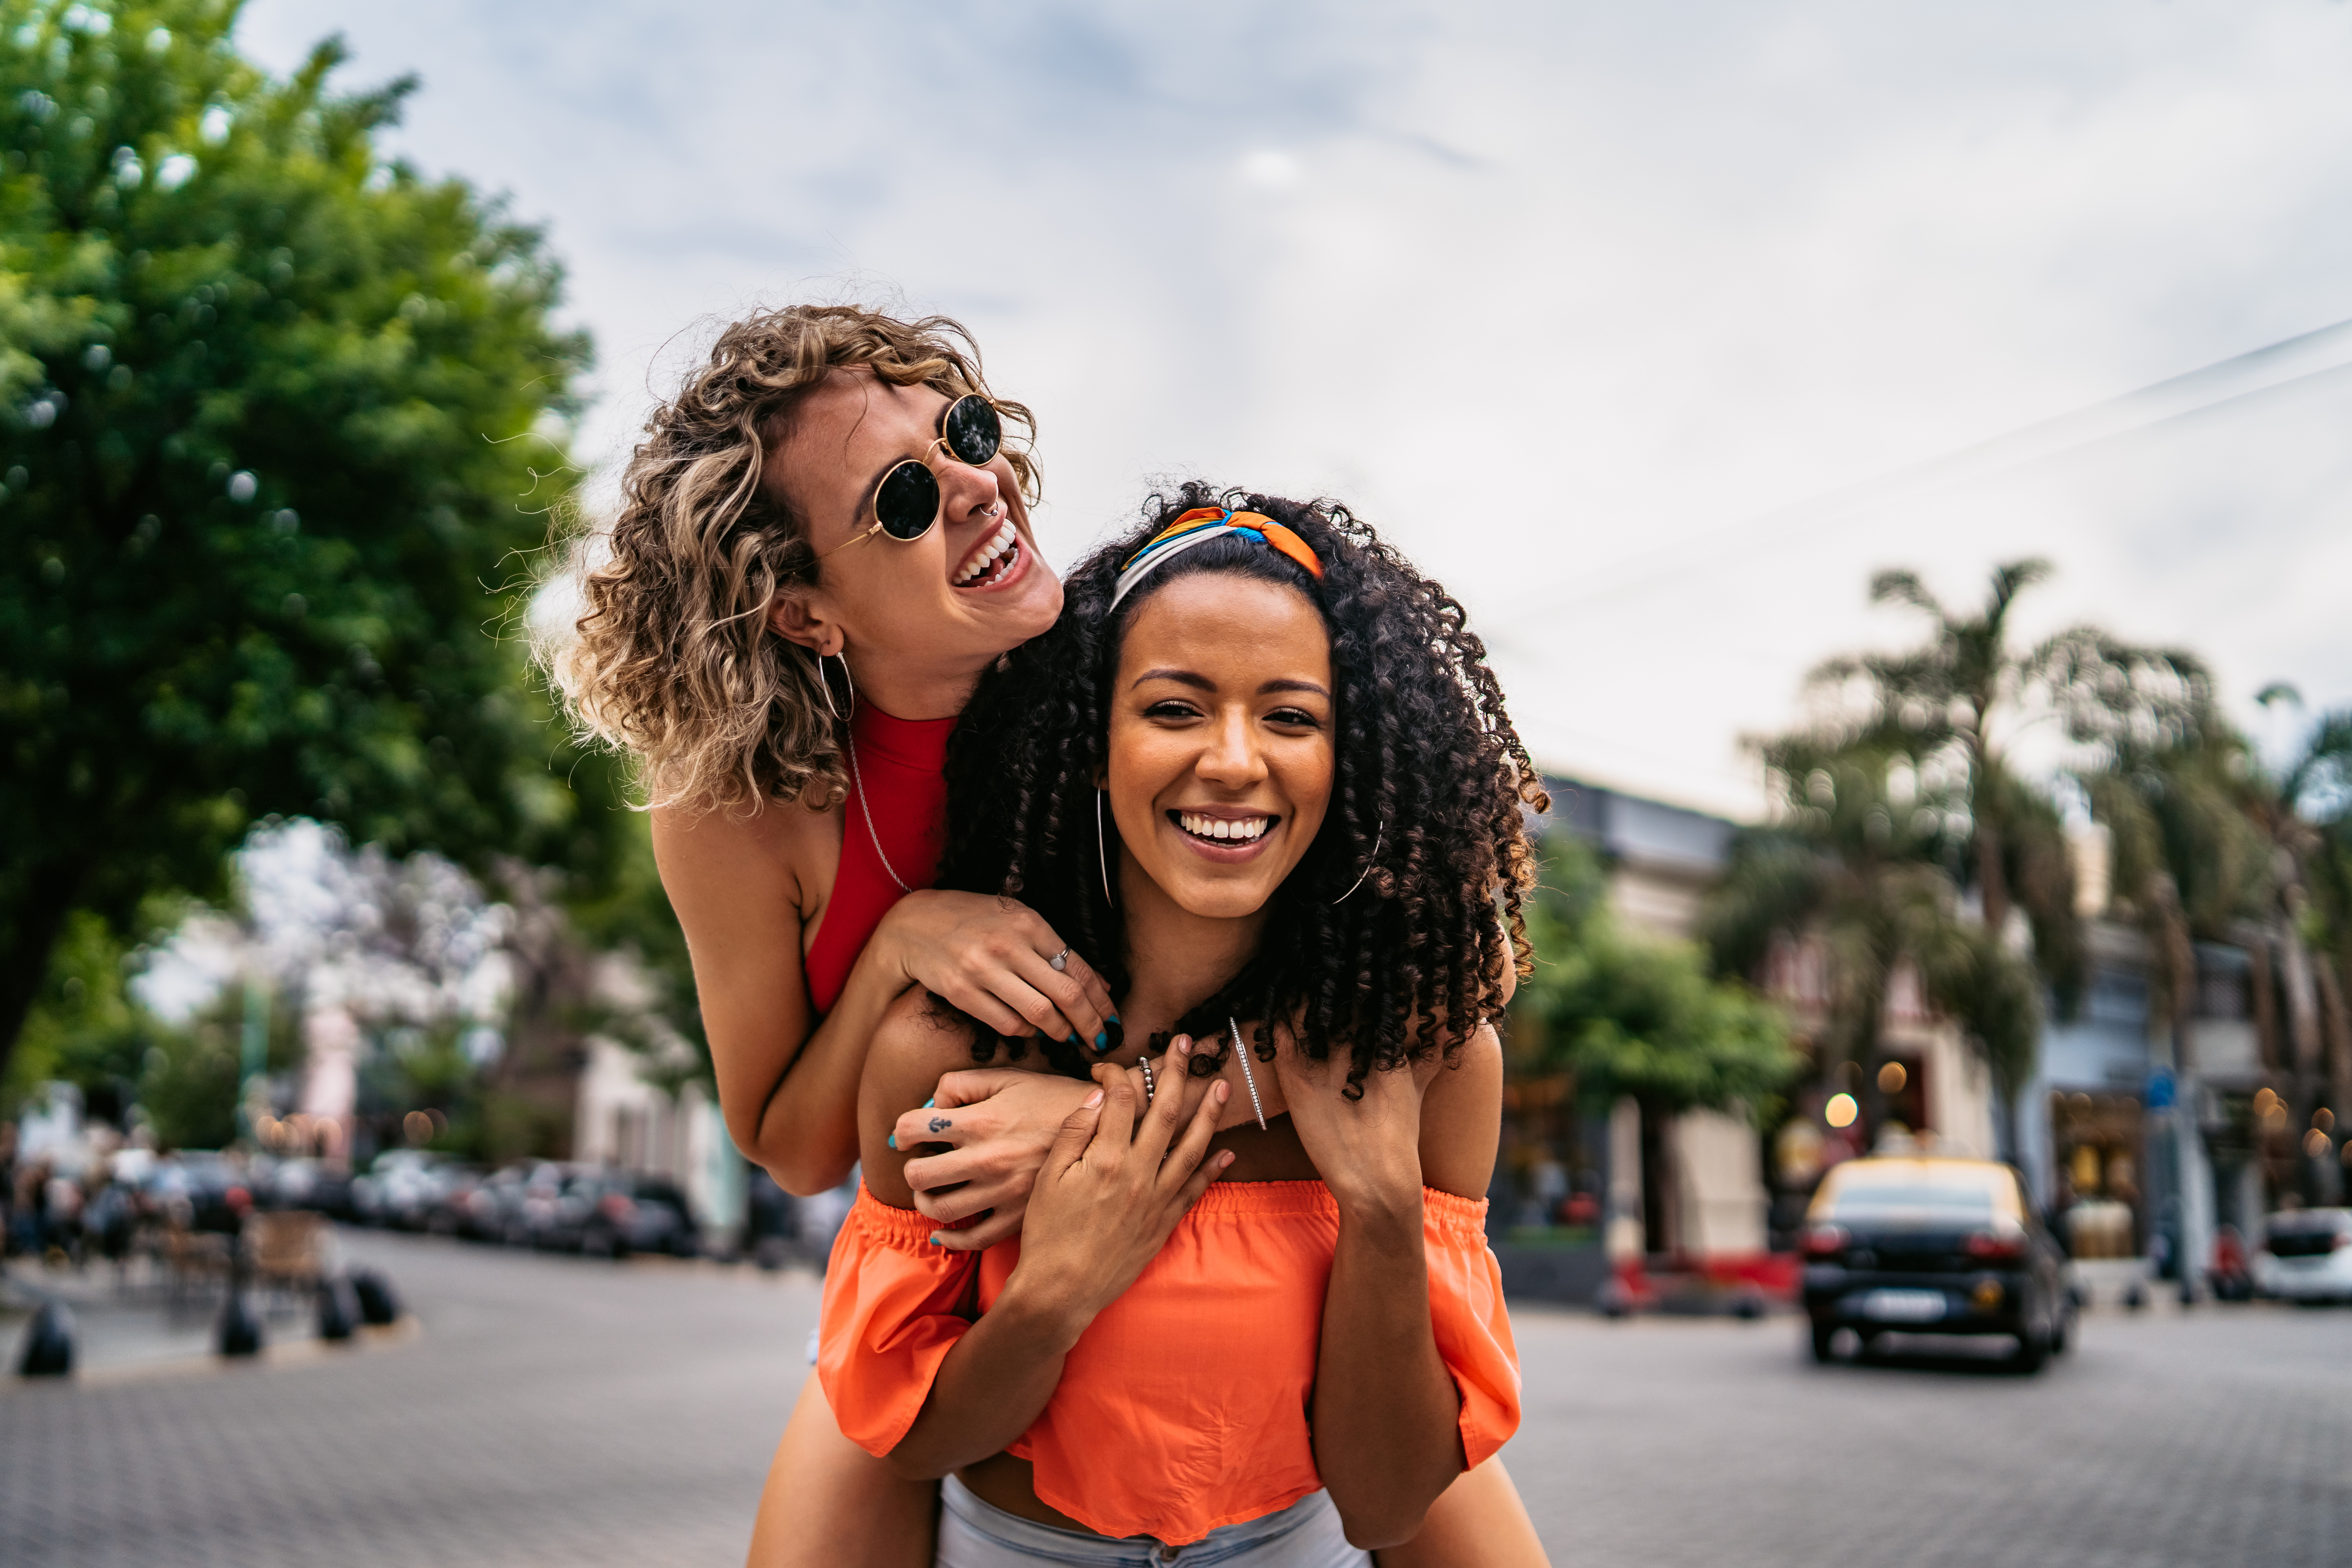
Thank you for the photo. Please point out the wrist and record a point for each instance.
(1382, 1203)
(1043, 1312)
(889, 944)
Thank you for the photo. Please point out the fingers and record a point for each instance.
(973, 1085)
(1117, 1130)
(1167, 1104)
(986, 1234)
(928, 1124)
(1185, 1158)
(976, 998)
(1197, 1184)
(1097, 993)
(1089, 1024)
(1078, 1131)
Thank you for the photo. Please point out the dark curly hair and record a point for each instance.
(1425, 803)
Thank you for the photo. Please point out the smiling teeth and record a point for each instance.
(1243, 831)
(998, 549)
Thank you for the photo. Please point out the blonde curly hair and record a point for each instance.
(673, 660)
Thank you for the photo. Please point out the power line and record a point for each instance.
(2302, 362)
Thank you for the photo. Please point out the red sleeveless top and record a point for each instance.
(894, 819)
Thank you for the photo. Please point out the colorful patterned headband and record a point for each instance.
(1200, 525)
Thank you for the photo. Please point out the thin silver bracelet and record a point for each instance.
(1150, 1089)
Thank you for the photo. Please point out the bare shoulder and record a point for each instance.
(1462, 1117)
(784, 847)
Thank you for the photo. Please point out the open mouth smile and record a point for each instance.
(993, 560)
(1223, 831)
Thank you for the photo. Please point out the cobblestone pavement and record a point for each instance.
(560, 1412)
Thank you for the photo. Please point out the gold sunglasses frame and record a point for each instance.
(925, 462)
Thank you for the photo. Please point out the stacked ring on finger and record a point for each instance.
(1060, 963)
(1151, 1090)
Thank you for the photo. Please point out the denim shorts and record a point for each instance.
(1306, 1534)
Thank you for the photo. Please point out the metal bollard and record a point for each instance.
(48, 1343)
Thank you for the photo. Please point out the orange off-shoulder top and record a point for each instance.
(1137, 1440)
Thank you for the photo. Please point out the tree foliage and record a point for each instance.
(274, 431)
(1635, 1016)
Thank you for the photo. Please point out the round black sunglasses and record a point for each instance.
(907, 501)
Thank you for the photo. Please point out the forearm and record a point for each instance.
(1386, 1411)
(990, 1389)
(807, 1127)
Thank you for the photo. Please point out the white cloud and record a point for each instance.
(1567, 283)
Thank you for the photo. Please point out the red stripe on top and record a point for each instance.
(901, 764)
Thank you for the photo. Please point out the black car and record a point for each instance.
(611, 1213)
(1933, 1245)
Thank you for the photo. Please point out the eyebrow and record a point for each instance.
(1202, 683)
(865, 498)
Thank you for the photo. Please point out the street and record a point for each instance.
(556, 1411)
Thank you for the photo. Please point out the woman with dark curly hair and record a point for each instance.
(1261, 778)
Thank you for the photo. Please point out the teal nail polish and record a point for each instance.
(935, 1239)
(892, 1141)
(931, 1102)
(1102, 1040)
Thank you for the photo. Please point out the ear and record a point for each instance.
(800, 616)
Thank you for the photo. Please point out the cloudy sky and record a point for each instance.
(1651, 331)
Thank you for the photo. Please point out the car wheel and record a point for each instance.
(2032, 1350)
(1822, 1333)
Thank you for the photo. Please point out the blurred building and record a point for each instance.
(622, 1117)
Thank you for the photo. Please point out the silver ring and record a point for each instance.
(1060, 963)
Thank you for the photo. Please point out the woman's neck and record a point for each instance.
(1175, 959)
(916, 688)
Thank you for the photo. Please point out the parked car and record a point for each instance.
(311, 1184)
(500, 1206)
(621, 1212)
(201, 1189)
(1922, 1244)
(2306, 1256)
(398, 1189)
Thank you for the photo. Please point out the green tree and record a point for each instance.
(274, 421)
(85, 1028)
(1630, 1014)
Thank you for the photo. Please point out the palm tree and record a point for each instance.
(1861, 870)
(2211, 845)
(2303, 815)
(1902, 796)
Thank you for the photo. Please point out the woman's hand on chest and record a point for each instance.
(1368, 1149)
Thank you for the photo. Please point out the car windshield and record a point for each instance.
(1920, 1191)
(2314, 1224)
(1877, 1200)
